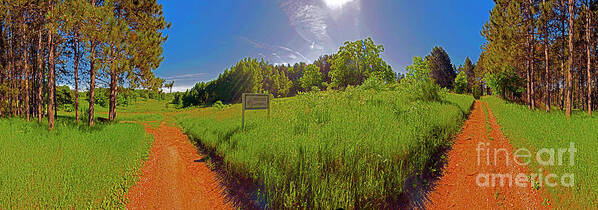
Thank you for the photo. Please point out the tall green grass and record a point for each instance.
(71, 167)
(351, 149)
(535, 130)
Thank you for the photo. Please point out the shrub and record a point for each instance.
(505, 83)
(373, 83)
(418, 82)
(218, 104)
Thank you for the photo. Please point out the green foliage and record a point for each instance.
(64, 98)
(70, 168)
(219, 105)
(535, 130)
(307, 155)
(505, 83)
(356, 61)
(419, 70)
(373, 83)
(441, 69)
(418, 81)
(102, 97)
(477, 92)
(461, 83)
(351, 65)
(245, 77)
(311, 77)
(469, 69)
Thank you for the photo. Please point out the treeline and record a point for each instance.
(107, 42)
(542, 53)
(353, 64)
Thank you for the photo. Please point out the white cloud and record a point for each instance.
(323, 22)
(275, 53)
(186, 76)
(178, 88)
(183, 82)
(308, 19)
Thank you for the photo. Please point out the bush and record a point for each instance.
(373, 83)
(418, 82)
(505, 83)
(219, 105)
(315, 88)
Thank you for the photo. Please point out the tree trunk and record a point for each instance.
(546, 76)
(51, 83)
(40, 69)
(532, 74)
(92, 78)
(92, 83)
(113, 95)
(76, 52)
(562, 74)
(26, 79)
(10, 69)
(528, 76)
(546, 64)
(532, 54)
(589, 56)
(571, 56)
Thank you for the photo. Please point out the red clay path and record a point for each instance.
(172, 179)
(458, 189)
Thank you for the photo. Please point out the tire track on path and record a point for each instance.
(172, 178)
(458, 188)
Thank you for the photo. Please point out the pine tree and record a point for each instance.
(569, 93)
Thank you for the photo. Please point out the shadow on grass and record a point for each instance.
(69, 121)
(239, 189)
(418, 187)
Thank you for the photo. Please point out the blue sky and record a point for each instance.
(208, 36)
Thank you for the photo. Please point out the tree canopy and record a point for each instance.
(441, 68)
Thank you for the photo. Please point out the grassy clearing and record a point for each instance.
(330, 149)
(139, 110)
(535, 130)
(72, 167)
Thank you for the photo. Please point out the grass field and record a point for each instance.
(139, 110)
(330, 149)
(72, 167)
(535, 130)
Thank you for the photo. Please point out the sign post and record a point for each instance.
(254, 101)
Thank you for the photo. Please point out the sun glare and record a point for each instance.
(336, 4)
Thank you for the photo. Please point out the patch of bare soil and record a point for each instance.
(172, 178)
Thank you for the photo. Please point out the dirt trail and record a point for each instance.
(173, 178)
(457, 188)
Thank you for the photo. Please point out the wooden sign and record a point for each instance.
(254, 101)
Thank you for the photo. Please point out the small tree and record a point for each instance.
(311, 77)
(461, 83)
(418, 82)
(169, 86)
